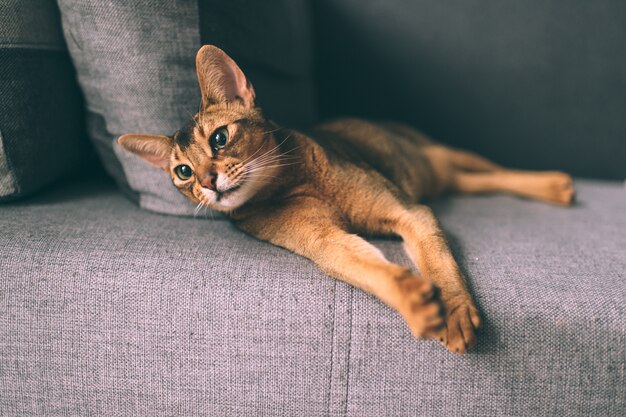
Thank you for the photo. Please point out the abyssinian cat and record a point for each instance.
(312, 193)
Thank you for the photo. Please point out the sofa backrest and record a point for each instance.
(535, 84)
(41, 109)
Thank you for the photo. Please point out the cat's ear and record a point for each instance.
(155, 149)
(221, 80)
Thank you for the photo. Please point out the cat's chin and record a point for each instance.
(228, 201)
(224, 206)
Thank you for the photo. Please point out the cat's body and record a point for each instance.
(314, 192)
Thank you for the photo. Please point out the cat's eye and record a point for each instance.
(219, 138)
(183, 172)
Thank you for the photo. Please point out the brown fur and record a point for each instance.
(312, 193)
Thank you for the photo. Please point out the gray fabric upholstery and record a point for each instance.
(136, 65)
(41, 130)
(31, 24)
(109, 310)
(535, 84)
(7, 180)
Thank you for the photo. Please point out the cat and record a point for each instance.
(313, 192)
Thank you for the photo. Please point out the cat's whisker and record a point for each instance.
(271, 160)
(248, 158)
(279, 155)
(260, 177)
(263, 168)
(276, 156)
(272, 166)
(267, 175)
(272, 131)
(275, 147)
(251, 156)
(264, 133)
(264, 160)
(198, 208)
(206, 210)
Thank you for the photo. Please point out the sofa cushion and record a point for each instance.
(136, 65)
(110, 310)
(41, 129)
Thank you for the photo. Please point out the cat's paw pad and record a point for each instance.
(461, 323)
(420, 306)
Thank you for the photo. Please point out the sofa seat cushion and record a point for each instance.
(106, 309)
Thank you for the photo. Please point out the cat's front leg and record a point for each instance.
(313, 229)
(425, 243)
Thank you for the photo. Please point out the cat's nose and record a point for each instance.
(209, 181)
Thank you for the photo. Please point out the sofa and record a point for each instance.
(115, 302)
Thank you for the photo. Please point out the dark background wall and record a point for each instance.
(535, 84)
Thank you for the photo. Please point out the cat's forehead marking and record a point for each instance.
(209, 124)
(218, 116)
(198, 152)
(184, 135)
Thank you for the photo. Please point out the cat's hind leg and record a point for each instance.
(469, 161)
(550, 187)
(471, 173)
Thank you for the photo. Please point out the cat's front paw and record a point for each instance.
(461, 323)
(420, 305)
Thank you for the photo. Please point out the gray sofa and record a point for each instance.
(109, 309)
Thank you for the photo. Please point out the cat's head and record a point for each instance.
(227, 153)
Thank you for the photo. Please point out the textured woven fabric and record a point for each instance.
(136, 65)
(109, 310)
(551, 285)
(30, 24)
(41, 127)
(7, 182)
